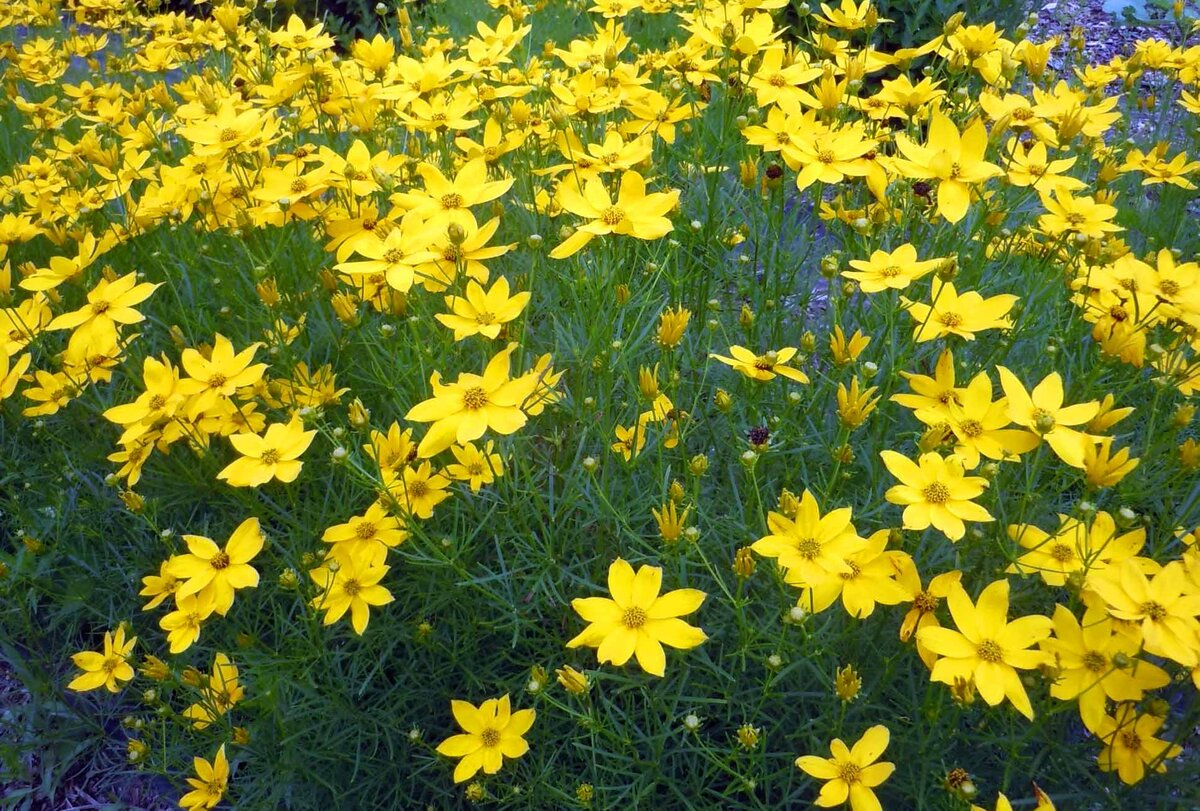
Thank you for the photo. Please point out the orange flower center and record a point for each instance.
(612, 216)
(849, 772)
(1061, 552)
(451, 200)
(270, 456)
(219, 561)
(971, 428)
(474, 398)
(808, 548)
(925, 602)
(951, 319)
(365, 530)
(490, 737)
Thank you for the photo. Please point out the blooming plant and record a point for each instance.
(717, 382)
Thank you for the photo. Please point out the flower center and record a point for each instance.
(951, 319)
(1043, 421)
(298, 186)
(1095, 661)
(219, 561)
(228, 135)
(365, 530)
(855, 570)
(1131, 740)
(270, 456)
(612, 216)
(971, 428)
(890, 272)
(936, 493)
(634, 618)
(849, 772)
(352, 587)
(452, 200)
(1075, 218)
(393, 255)
(490, 737)
(216, 381)
(1061, 552)
(1154, 611)
(808, 548)
(111, 664)
(157, 402)
(474, 398)
(825, 156)
(483, 319)
(418, 490)
(101, 307)
(1169, 287)
(989, 651)
(925, 602)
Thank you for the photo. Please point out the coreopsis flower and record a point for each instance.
(869, 580)
(108, 669)
(1073, 547)
(183, 624)
(637, 620)
(630, 440)
(476, 466)
(763, 367)
(846, 351)
(1102, 467)
(812, 546)
(572, 680)
(854, 406)
(955, 160)
(1085, 656)
(480, 312)
(11, 372)
(1068, 214)
(852, 772)
(634, 213)
(979, 426)
(215, 571)
(444, 201)
(462, 411)
(274, 455)
(671, 523)
(933, 490)
(492, 732)
(397, 255)
(219, 375)
(392, 450)
(1030, 166)
(417, 489)
(1165, 607)
(159, 587)
(987, 649)
(894, 270)
(375, 528)
(950, 313)
(350, 583)
(1042, 412)
(1040, 797)
(935, 393)
(925, 602)
(109, 304)
(1130, 746)
(828, 156)
(209, 784)
(219, 692)
(671, 325)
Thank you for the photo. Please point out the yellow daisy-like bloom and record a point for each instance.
(763, 367)
(950, 313)
(934, 491)
(462, 411)
(953, 159)
(894, 270)
(219, 693)
(1165, 607)
(637, 620)
(481, 312)
(988, 649)
(492, 732)
(353, 586)
(274, 455)
(851, 773)
(634, 213)
(1130, 745)
(208, 786)
(108, 669)
(1042, 412)
(216, 571)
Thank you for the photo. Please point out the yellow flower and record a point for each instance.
(108, 669)
(851, 773)
(1103, 467)
(274, 455)
(474, 465)
(670, 522)
(1066, 213)
(417, 489)
(209, 784)
(846, 352)
(925, 602)
(855, 406)
(763, 367)
(374, 528)
(1165, 607)
(988, 649)
(109, 304)
(671, 324)
(979, 425)
(183, 624)
(634, 213)
(464, 410)
(962, 315)
(215, 571)
(219, 693)
(1073, 547)
(1042, 412)
(637, 620)
(934, 491)
(869, 579)
(351, 587)
(1085, 656)
(813, 546)
(493, 731)
(481, 312)
(572, 680)
(218, 375)
(895, 270)
(630, 440)
(953, 159)
(1130, 745)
